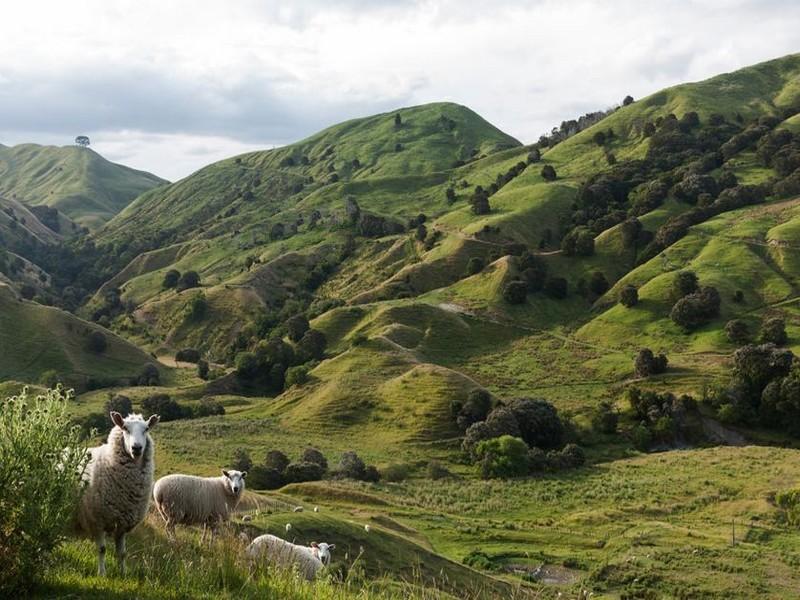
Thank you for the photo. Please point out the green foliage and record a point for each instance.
(629, 296)
(737, 331)
(504, 456)
(515, 292)
(474, 266)
(96, 342)
(789, 502)
(578, 242)
(196, 308)
(171, 279)
(190, 279)
(548, 173)
(646, 363)
(605, 418)
(296, 375)
(773, 331)
(696, 309)
(41, 461)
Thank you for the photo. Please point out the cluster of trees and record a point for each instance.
(533, 277)
(161, 404)
(480, 196)
(695, 305)
(572, 126)
(773, 330)
(271, 361)
(520, 437)
(647, 363)
(277, 470)
(764, 389)
(662, 417)
(174, 279)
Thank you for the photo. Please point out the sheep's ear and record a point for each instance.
(331, 546)
(314, 545)
(117, 419)
(224, 472)
(244, 474)
(153, 420)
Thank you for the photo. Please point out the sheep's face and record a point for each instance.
(134, 432)
(235, 481)
(323, 552)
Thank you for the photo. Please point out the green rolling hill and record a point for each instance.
(76, 181)
(438, 258)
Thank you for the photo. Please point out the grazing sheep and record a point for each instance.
(119, 479)
(316, 509)
(288, 527)
(367, 528)
(247, 518)
(297, 509)
(190, 500)
(308, 559)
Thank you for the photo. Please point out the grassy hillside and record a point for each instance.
(37, 339)
(77, 181)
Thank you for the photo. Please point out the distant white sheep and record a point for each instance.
(297, 509)
(119, 480)
(288, 527)
(316, 509)
(309, 560)
(190, 500)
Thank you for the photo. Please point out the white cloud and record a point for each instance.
(173, 84)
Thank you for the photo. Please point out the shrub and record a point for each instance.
(395, 472)
(755, 366)
(241, 460)
(694, 310)
(202, 369)
(474, 266)
(164, 406)
(475, 408)
(208, 407)
(303, 471)
(262, 477)
(277, 460)
(296, 376)
(149, 375)
(773, 330)
(171, 279)
(196, 308)
(598, 284)
(606, 418)
(312, 345)
(538, 422)
(685, 283)
(297, 326)
(96, 342)
(737, 331)
(372, 474)
(515, 292)
(188, 280)
(437, 470)
(40, 471)
(578, 242)
(312, 455)
(351, 466)
(190, 355)
(504, 456)
(641, 437)
(570, 456)
(548, 173)
(629, 296)
(646, 363)
(118, 403)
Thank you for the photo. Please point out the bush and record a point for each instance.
(475, 408)
(190, 355)
(303, 471)
(629, 296)
(40, 472)
(164, 406)
(277, 460)
(515, 292)
(570, 456)
(188, 280)
(351, 466)
(773, 331)
(685, 283)
(50, 378)
(196, 308)
(202, 369)
(297, 326)
(437, 470)
(262, 477)
(241, 460)
(296, 375)
(548, 173)
(474, 266)
(504, 456)
(606, 418)
(646, 363)
(598, 284)
(641, 437)
(118, 403)
(372, 474)
(208, 407)
(149, 375)
(538, 422)
(578, 242)
(96, 342)
(312, 455)
(395, 472)
(171, 279)
(737, 331)
(312, 345)
(694, 310)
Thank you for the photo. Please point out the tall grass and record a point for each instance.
(41, 461)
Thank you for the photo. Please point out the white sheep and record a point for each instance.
(119, 479)
(190, 500)
(309, 560)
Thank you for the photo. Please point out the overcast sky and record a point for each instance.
(169, 86)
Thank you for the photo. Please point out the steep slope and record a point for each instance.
(77, 181)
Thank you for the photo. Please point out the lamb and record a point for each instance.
(119, 480)
(190, 500)
(308, 559)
